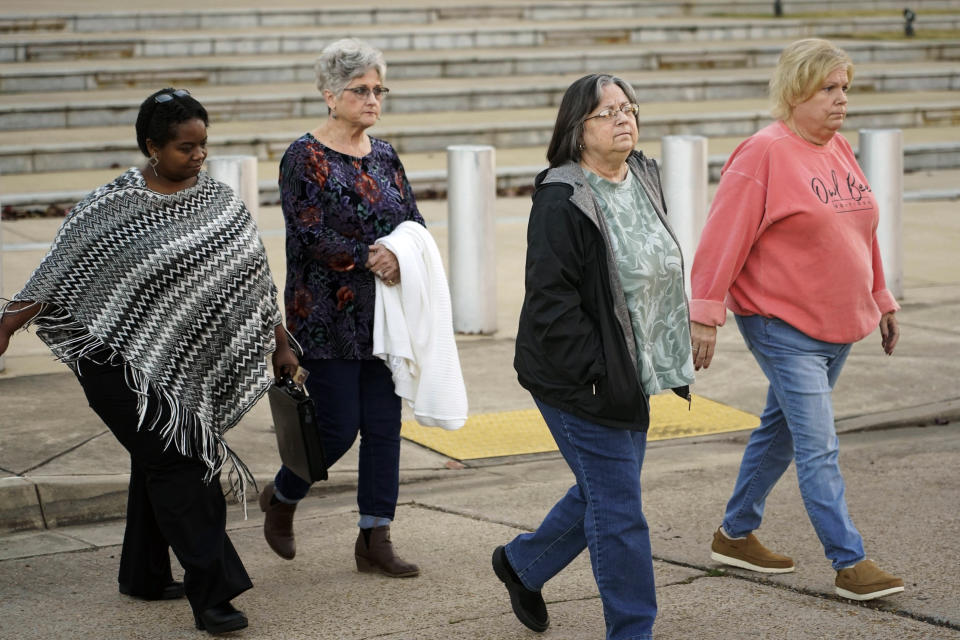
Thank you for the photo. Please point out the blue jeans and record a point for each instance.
(351, 397)
(602, 512)
(797, 424)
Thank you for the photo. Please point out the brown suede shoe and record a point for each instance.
(748, 553)
(278, 524)
(866, 581)
(374, 553)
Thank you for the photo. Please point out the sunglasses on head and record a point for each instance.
(167, 97)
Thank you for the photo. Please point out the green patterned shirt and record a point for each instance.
(651, 273)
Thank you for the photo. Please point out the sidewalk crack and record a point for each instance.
(62, 453)
(710, 573)
(876, 605)
(43, 514)
(471, 516)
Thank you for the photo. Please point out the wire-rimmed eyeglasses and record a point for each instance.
(362, 92)
(167, 97)
(607, 115)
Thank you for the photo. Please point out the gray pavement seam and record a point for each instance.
(43, 515)
(929, 327)
(62, 453)
(467, 514)
(691, 579)
(940, 412)
(875, 605)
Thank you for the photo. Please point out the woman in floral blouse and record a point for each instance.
(341, 190)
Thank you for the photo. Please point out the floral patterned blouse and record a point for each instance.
(334, 207)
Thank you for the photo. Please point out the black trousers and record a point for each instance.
(169, 506)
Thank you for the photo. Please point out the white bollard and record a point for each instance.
(881, 157)
(240, 174)
(685, 179)
(471, 200)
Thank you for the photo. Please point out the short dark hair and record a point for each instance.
(580, 99)
(156, 120)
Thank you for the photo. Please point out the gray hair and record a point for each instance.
(346, 59)
(580, 99)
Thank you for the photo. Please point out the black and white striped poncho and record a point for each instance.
(178, 287)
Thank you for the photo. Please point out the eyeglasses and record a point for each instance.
(607, 115)
(363, 92)
(167, 97)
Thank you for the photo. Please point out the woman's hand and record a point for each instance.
(11, 320)
(284, 361)
(284, 358)
(383, 264)
(889, 332)
(704, 340)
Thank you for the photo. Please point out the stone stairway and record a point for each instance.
(269, 40)
(116, 15)
(514, 88)
(459, 72)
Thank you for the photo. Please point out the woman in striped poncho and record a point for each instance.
(157, 294)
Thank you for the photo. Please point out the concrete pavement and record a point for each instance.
(64, 473)
(900, 495)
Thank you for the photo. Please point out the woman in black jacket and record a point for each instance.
(604, 325)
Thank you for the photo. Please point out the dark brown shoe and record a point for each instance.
(374, 553)
(278, 524)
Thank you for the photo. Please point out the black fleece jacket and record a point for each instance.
(575, 348)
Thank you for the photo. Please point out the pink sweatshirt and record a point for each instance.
(792, 235)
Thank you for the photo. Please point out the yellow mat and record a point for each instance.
(511, 433)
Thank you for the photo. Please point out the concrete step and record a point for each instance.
(299, 100)
(931, 161)
(23, 16)
(233, 17)
(36, 47)
(194, 71)
(43, 150)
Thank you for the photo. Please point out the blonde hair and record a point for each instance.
(801, 70)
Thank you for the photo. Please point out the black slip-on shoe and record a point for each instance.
(528, 606)
(220, 619)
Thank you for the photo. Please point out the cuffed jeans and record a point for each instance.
(797, 424)
(351, 397)
(601, 512)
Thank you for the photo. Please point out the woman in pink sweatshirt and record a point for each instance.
(790, 246)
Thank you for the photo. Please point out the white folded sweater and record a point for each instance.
(413, 331)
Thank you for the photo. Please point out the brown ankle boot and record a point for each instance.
(278, 524)
(374, 552)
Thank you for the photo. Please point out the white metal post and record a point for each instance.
(881, 157)
(471, 200)
(240, 174)
(685, 190)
